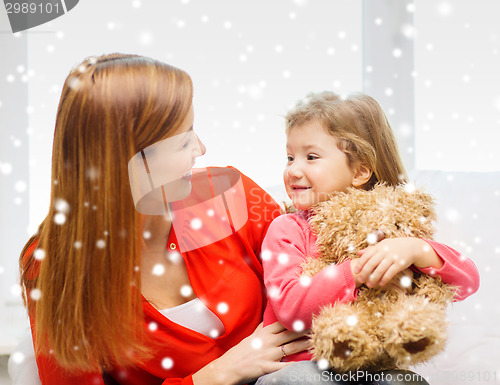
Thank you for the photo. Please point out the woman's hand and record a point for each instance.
(258, 354)
(380, 263)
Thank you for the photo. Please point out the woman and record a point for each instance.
(146, 271)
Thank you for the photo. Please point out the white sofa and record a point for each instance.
(468, 209)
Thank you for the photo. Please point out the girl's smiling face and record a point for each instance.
(316, 167)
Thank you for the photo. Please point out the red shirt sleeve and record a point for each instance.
(294, 298)
(51, 373)
(457, 270)
(180, 381)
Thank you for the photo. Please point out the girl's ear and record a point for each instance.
(362, 175)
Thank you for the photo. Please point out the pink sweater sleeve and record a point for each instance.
(457, 270)
(293, 297)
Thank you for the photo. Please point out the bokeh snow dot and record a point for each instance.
(153, 326)
(273, 292)
(196, 224)
(256, 343)
(15, 290)
(323, 364)
(167, 363)
(5, 168)
(186, 290)
(74, 82)
(352, 320)
(283, 258)
(305, 280)
(146, 38)
(101, 244)
(35, 294)
(17, 357)
(410, 188)
(39, 254)
(452, 215)
(372, 238)
(158, 269)
(298, 326)
(174, 257)
(20, 186)
(265, 255)
(61, 205)
(444, 8)
(405, 282)
(222, 307)
(60, 219)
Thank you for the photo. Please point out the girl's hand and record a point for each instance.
(402, 282)
(380, 263)
(258, 354)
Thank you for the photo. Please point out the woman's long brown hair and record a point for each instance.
(89, 314)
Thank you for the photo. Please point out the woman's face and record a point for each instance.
(168, 165)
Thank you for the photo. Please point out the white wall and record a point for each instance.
(457, 85)
(249, 61)
(14, 169)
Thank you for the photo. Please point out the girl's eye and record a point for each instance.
(289, 158)
(312, 157)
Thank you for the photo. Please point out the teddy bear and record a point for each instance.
(380, 330)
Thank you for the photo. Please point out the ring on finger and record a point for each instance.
(283, 351)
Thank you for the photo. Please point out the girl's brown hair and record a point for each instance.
(90, 312)
(360, 125)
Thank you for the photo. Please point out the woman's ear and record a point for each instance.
(362, 175)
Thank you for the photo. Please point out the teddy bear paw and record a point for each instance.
(338, 338)
(341, 349)
(413, 347)
(414, 332)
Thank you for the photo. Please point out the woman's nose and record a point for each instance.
(200, 149)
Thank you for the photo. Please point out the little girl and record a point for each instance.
(332, 144)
